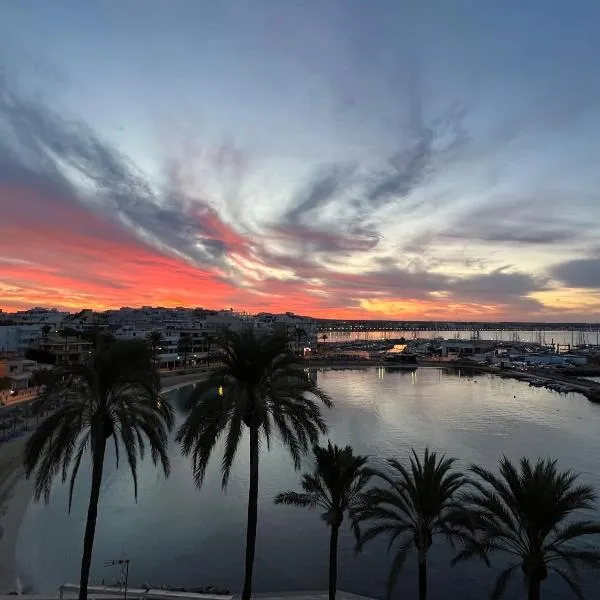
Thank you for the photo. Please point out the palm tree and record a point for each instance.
(336, 486)
(255, 383)
(155, 339)
(420, 502)
(46, 329)
(185, 346)
(527, 512)
(115, 395)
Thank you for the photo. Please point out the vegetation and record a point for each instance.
(46, 329)
(336, 486)
(4, 383)
(68, 332)
(256, 383)
(115, 396)
(155, 340)
(530, 513)
(41, 356)
(185, 346)
(98, 336)
(420, 501)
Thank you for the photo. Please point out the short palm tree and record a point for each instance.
(115, 395)
(255, 383)
(528, 512)
(420, 502)
(336, 486)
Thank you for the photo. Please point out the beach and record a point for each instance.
(16, 493)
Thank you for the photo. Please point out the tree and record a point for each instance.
(5, 383)
(46, 329)
(257, 383)
(528, 512)
(155, 340)
(115, 396)
(40, 356)
(337, 486)
(419, 503)
(68, 332)
(97, 336)
(185, 346)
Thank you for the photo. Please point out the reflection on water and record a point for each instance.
(180, 536)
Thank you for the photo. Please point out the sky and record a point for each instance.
(339, 158)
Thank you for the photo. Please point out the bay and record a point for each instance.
(178, 535)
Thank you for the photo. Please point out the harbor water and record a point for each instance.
(178, 535)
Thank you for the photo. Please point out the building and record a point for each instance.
(17, 369)
(67, 350)
(17, 338)
(466, 348)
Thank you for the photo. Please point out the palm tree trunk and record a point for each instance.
(422, 576)
(252, 513)
(533, 589)
(90, 526)
(333, 545)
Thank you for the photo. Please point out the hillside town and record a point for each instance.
(181, 340)
(180, 337)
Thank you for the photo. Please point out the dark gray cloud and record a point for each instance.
(525, 221)
(66, 159)
(324, 188)
(579, 273)
(427, 148)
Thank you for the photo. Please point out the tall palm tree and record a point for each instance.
(255, 383)
(337, 486)
(115, 395)
(155, 339)
(420, 502)
(528, 512)
(185, 346)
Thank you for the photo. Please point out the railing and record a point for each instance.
(150, 594)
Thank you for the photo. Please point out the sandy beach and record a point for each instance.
(16, 493)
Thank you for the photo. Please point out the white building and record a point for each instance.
(17, 338)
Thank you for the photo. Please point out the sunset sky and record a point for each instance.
(343, 158)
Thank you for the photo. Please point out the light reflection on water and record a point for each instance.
(180, 536)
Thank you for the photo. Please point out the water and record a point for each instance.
(562, 336)
(180, 536)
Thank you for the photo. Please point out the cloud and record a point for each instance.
(579, 273)
(82, 225)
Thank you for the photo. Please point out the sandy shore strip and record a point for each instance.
(16, 492)
(15, 495)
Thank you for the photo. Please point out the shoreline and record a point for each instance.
(16, 492)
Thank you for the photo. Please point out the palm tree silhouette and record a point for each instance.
(419, 503)
(155, 339)
(115, 395)
(255, 383)
(527, 512)
(337, 486)
(185, 346)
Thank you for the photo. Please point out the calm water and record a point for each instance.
(562, 337)
(180, 536)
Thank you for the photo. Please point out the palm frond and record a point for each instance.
(502, 581)
(255, 381)
(115, 395)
